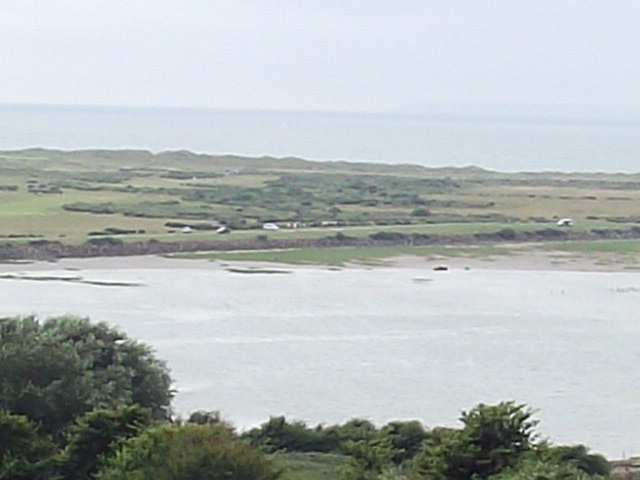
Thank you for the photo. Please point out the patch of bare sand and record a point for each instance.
(524, 260)
(110, 263)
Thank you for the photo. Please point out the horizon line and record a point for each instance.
(438, 116)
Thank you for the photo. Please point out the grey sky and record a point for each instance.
(556, 57)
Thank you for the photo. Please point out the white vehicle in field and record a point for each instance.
(270, 226)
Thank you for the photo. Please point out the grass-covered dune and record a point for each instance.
(101, 202)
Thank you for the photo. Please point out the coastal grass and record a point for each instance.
(77, 224)
(603, 253)
(446, 229)
(617, 247)
(70, 227)
(144, 191)
(340, 256)
(310, 466)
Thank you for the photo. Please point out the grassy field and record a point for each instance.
(74, 196)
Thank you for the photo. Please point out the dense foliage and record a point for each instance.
(278, 434)
(578, 456)
(494, 442)
(188, 452)
(95, 435)
(494, 438)
(56, 370)
(368, 459)
(24, 453)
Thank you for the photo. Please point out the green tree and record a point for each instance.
(578, 456)
(420, 212)
(406, 438)
(539, 469)
(355, 430)
(24, 454)
(203, 417)
(94, 436)
(188, 452)
(54, 371)
(493, 438)
(279, 434)
(368, 459)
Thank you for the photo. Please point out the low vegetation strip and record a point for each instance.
(109, 246)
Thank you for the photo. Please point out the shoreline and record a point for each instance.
(483, 245)
(533, 260)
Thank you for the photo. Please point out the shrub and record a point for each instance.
(578, 456)
(94, 435)
(54, 371)
(388, 236)
(368, 459)
(494, 438)
(341, 237)
(538, 469)
(405, 437)
(278, 434)
(507, 234)
(24, 454)
(421, 212)
(189, 452)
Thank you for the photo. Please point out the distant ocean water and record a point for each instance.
(497, 144)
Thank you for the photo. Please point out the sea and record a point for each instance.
(496, 143)
(324, 345)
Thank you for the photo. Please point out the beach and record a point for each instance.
(528, 258)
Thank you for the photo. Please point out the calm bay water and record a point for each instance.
(506, 145)
(324, 346)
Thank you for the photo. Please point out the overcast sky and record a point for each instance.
(546, 57)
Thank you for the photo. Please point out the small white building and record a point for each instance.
(270, 226)
(565, 222)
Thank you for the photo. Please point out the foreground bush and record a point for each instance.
(368, 459)
(24, 454)
(55, 371)
(189, 452)
(537, 469)
(494, 438)
(94, 436)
